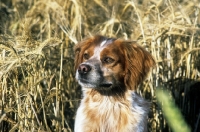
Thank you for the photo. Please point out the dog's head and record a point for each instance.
(111, 64)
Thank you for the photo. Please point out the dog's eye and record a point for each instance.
(108, 60)
(86, 56)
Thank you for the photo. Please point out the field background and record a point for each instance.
(37, 87)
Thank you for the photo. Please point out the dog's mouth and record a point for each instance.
(83, 81)
(88, 84)
(105, 85)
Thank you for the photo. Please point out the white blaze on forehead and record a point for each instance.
(99, 48)
(106, 41)
(103, 43)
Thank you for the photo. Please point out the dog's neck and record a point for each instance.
(111, 94)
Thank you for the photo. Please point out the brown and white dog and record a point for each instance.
(109, 71)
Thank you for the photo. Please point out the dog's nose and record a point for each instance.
(84, 69)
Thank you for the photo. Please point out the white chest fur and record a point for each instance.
(99, 113)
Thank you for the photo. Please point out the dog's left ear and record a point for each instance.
(138, 63)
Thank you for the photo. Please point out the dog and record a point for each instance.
(109, 71)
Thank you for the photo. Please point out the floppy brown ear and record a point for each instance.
(138, 63)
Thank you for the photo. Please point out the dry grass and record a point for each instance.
(37, 87)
